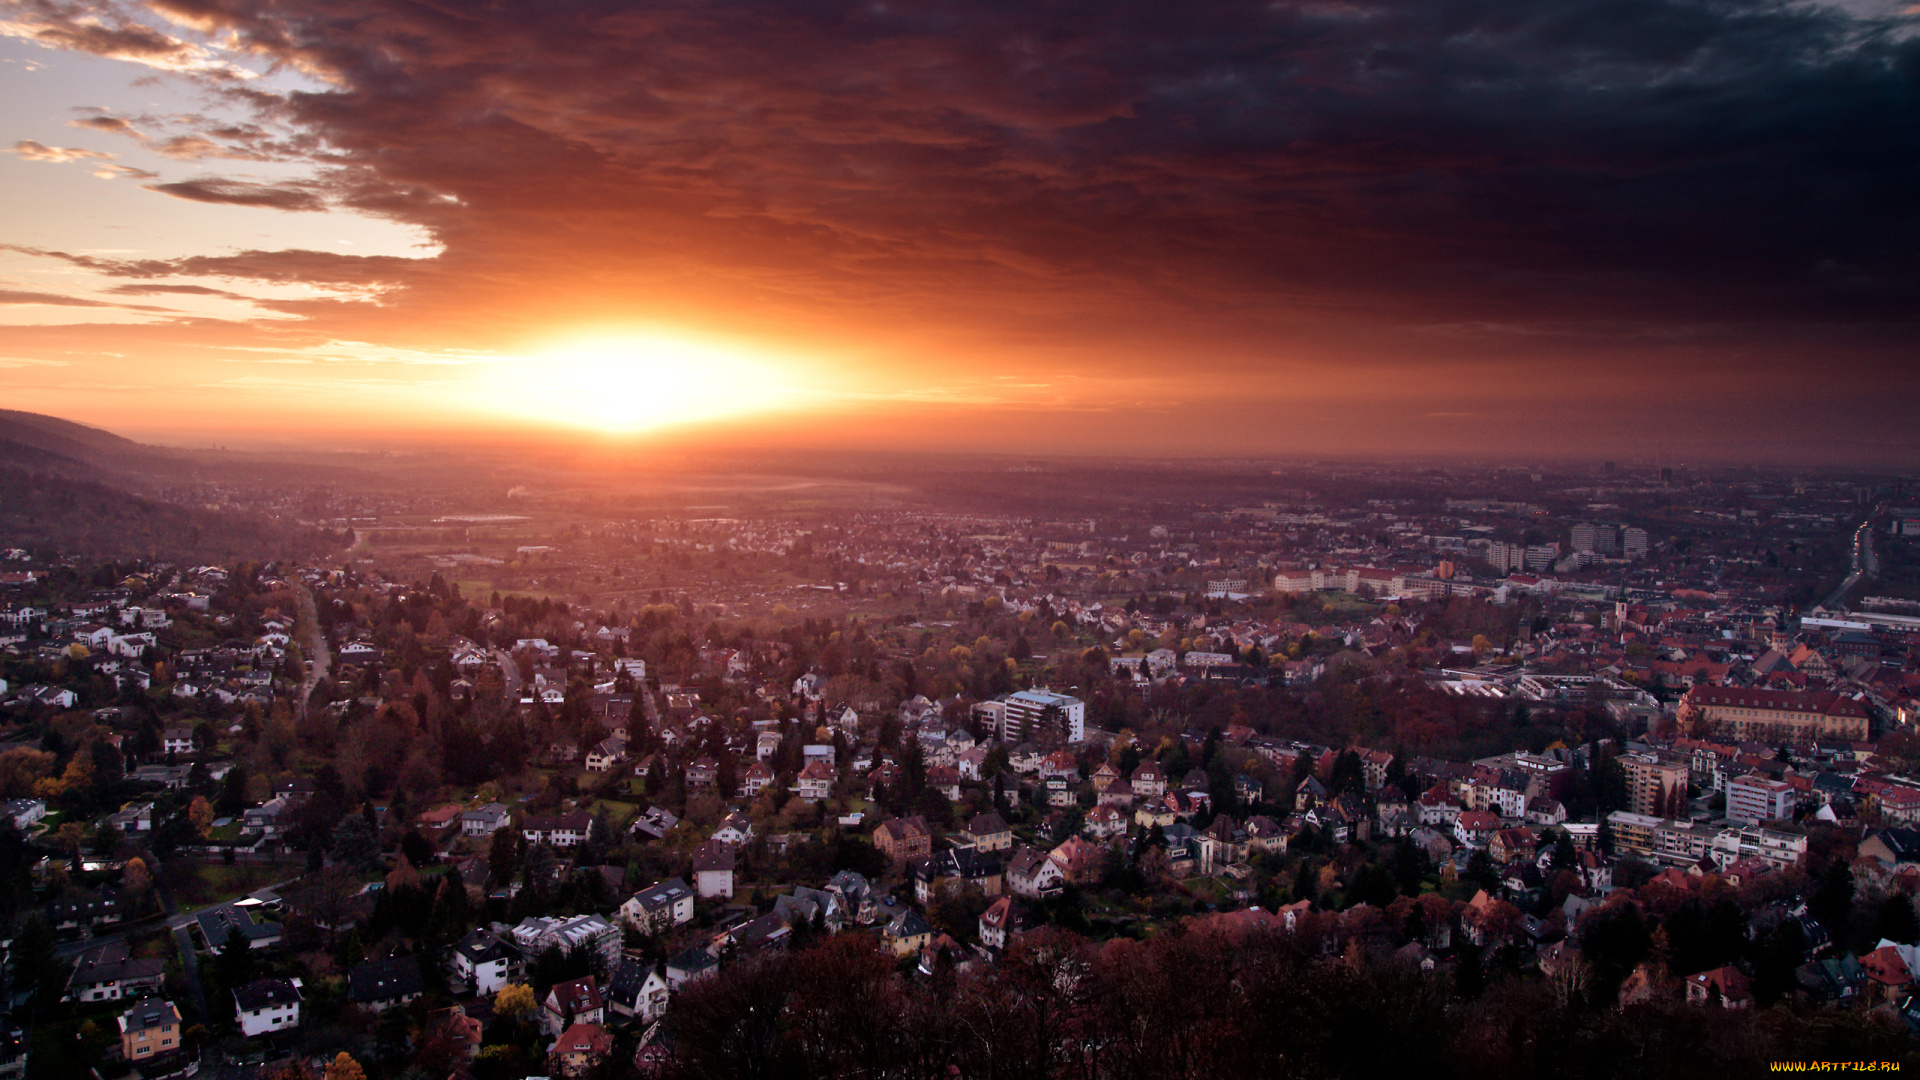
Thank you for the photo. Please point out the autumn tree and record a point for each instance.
(135, 877)
(200, 813)
(20, 767)
(343, 1067)
(514, 1002)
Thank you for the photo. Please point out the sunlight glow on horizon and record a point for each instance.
(633, 383)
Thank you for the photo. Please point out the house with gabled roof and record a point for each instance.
(1032, 874)
(483, 962)
(658, 907)
(756, 778)
(1727, 987)
(985, 832)
(378, 985)
(579, 1049)
(150, 1029)
(1104, 822)
(1888, 975)
(637, 990)
(816, 780)
(999, 923)
(109, 972)
(571, 1002)
(236, 917)
(267, 1006)
(735, 830)
(955, 866)
(1081, 861)
(906, 933)
(713, 866)
(903, 840)
(1149, 780)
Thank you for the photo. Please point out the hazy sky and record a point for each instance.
(1625, 228)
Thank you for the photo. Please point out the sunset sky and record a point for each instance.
(1623, 228)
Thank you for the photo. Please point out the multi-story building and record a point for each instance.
(659, 907)
(1297, 581)
(815, 782)
(903, 840)
(1634, 834)
(379, 985)
(1633, 542)
(266, 1006)
(1754, 799)
(485, 820)
(1541, 557)
(1655, 787)
(1595, 539)
(1900, 806)
(559, 830)
(1774, 715)
(149, 1028)
(484, 963)
(1507, 557)
(536, 935)
(1776, 846)
(1029, 711)
(1683, 842)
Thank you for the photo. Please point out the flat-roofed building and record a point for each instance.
(1655, 787)
(1028, 712)
(1754, 799)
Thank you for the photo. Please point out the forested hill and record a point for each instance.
(84, 517)
(48, 444)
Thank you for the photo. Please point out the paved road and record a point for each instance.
(319, 660)
(190, 967)
(67, 950)
(1866, 563)
(183, 941)
(182, 923)
(509, 675)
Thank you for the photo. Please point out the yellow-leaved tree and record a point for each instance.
(343, 1067)
(514, 1001)
(200, 812)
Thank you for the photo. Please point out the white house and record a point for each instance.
(265, 1006)
(24, 812)
(485, 962)
(658, 907)
(1030, 873)
(713, 870)
(485, 820)
(638, 991)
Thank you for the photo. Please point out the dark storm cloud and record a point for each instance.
(1233, 177)
(1056, 166)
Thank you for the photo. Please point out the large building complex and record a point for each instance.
(1773, 715)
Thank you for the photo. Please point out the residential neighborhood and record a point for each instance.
(261, 814)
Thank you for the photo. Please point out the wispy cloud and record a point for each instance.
(59, 155)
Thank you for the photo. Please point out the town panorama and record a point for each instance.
(983, 767)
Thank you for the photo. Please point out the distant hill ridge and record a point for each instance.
(48, 444)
